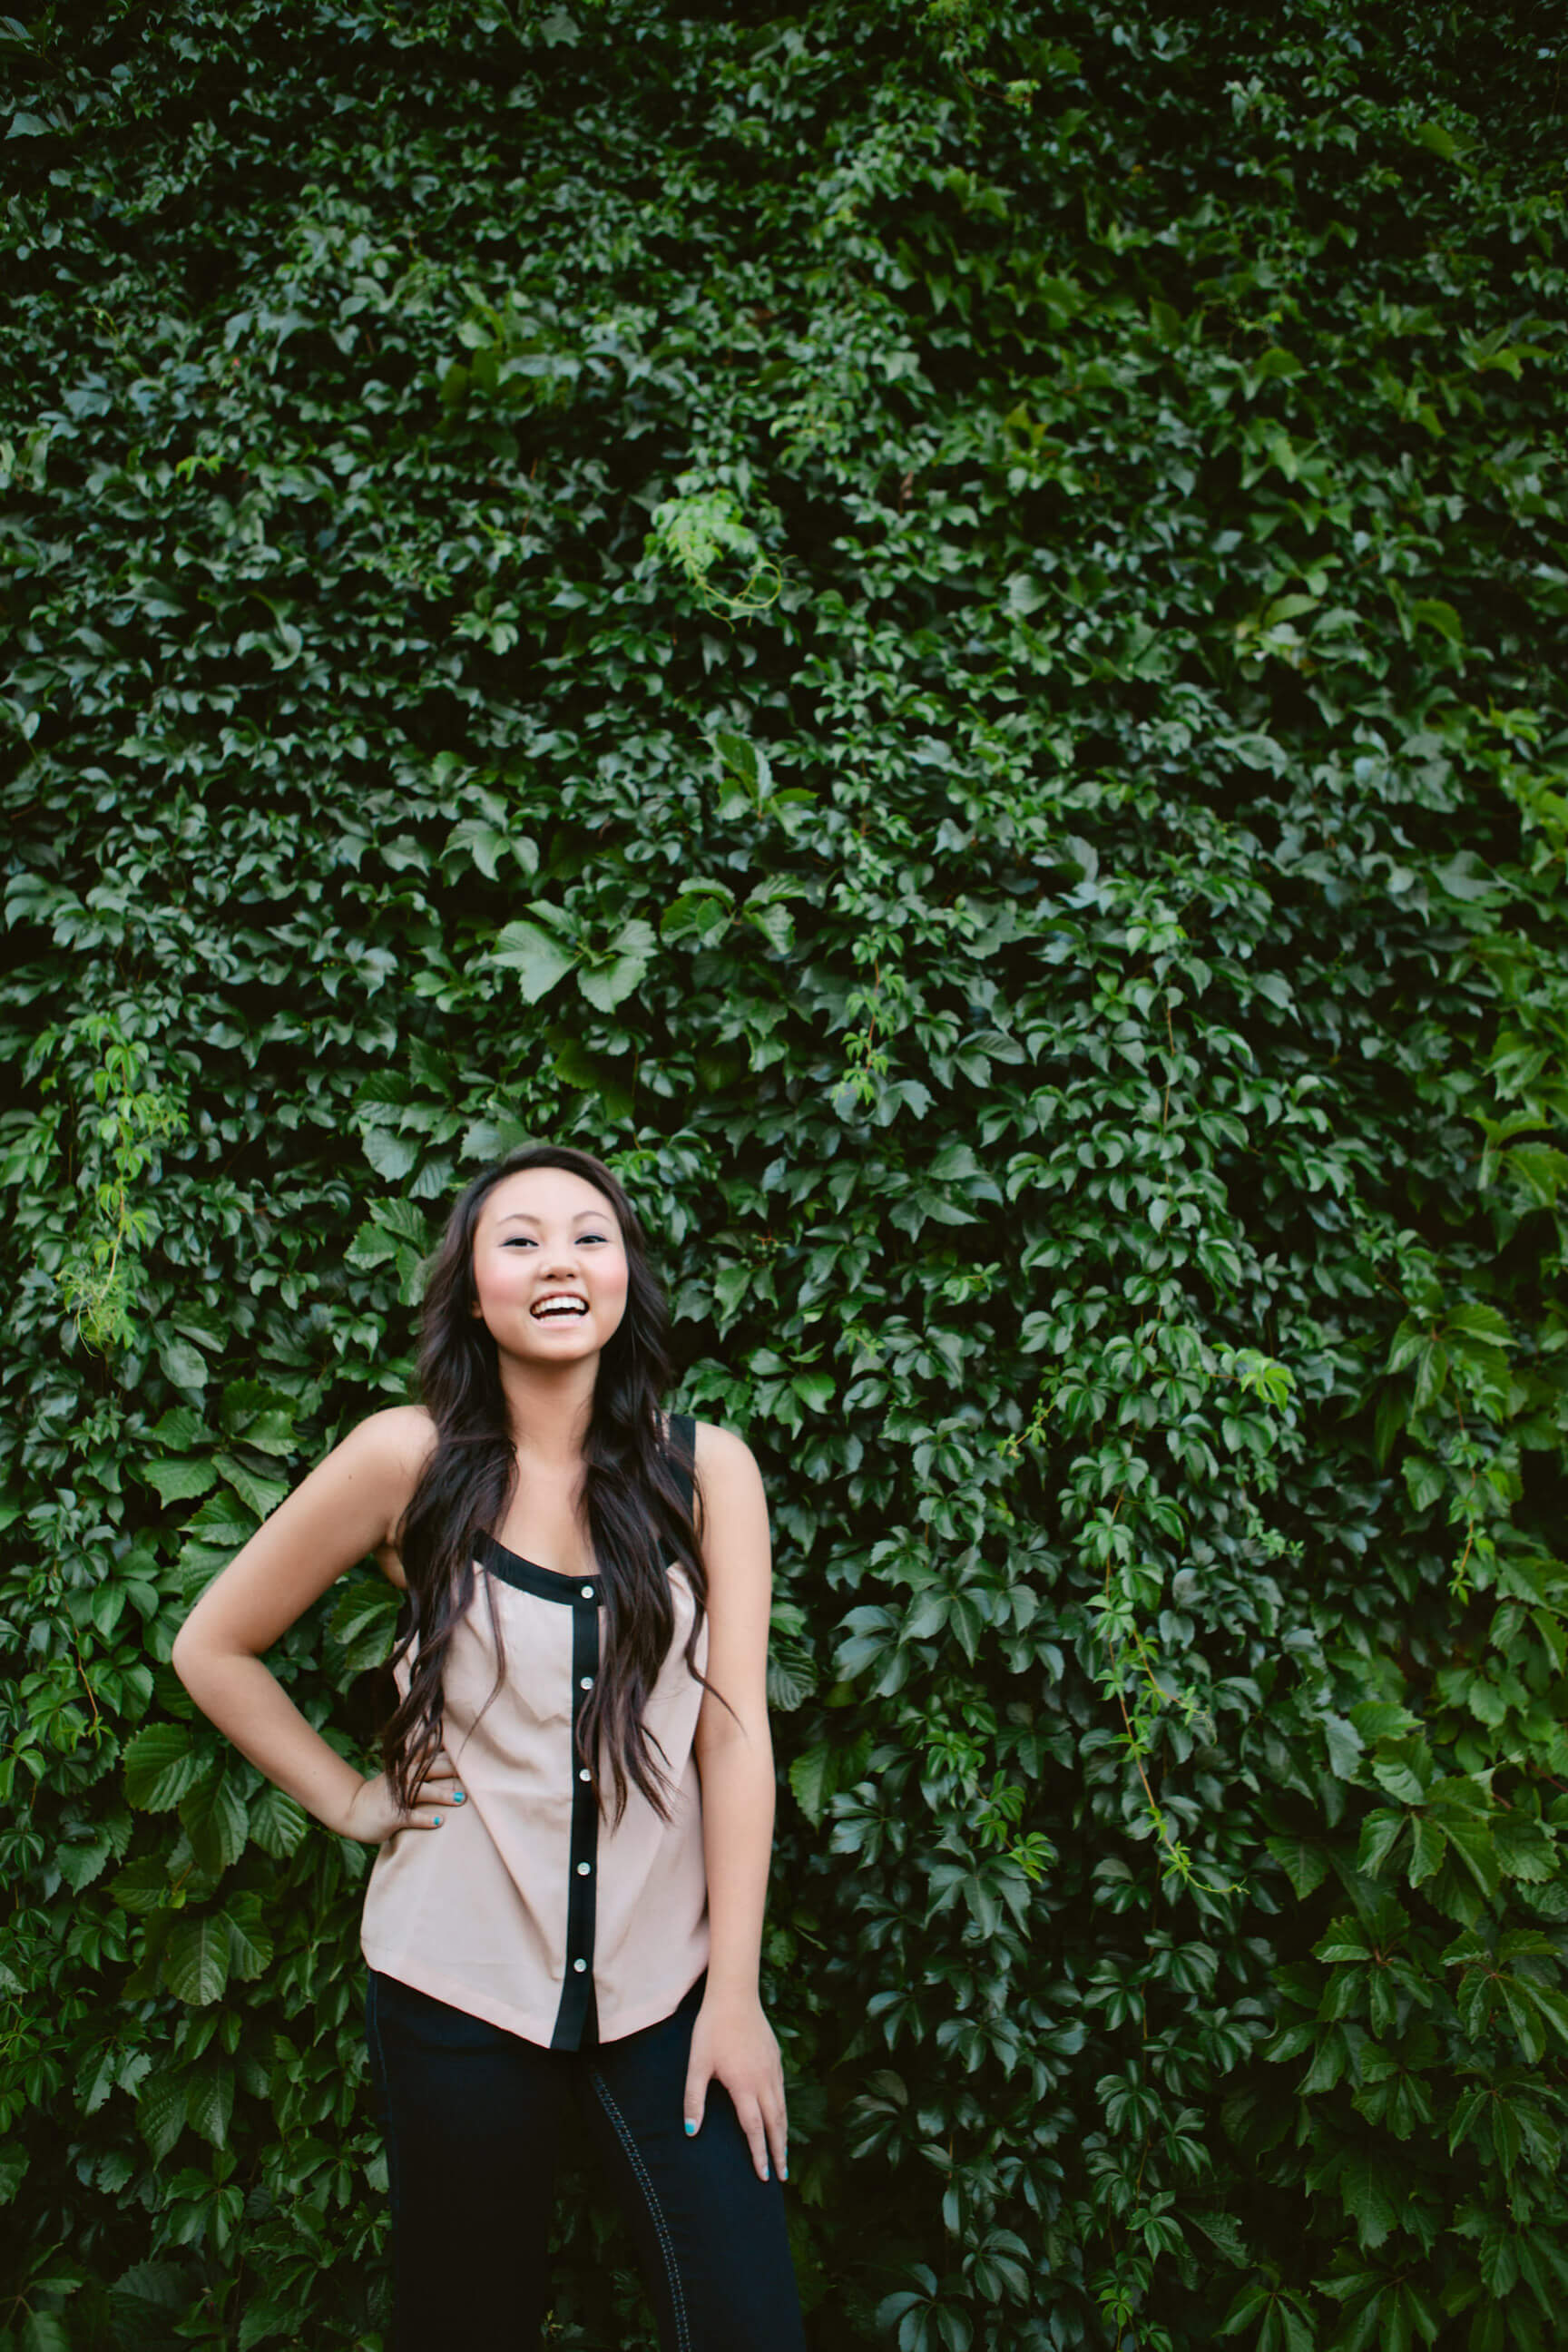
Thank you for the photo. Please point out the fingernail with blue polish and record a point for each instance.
(783, 2172)
(437, 1820)
(690, 2129)
(458, 1799)
(765, 2173)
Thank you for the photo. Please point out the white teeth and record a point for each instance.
(559, 1309)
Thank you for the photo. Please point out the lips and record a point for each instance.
(559, 1307)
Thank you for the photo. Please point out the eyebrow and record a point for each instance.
(523, 1217)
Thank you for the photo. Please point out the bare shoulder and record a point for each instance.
(732, 1509)
(388, 1452)
(719, 1448)
(733, 1530)
(392, 1447)
(725, 1462)
(395, 1444)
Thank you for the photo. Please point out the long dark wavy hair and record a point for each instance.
(635, 1516)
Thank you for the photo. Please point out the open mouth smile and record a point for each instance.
(559, 1307)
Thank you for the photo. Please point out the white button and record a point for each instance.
(582, 1868)
(587, 1593)
(584, 1773)
(579, 1966)
(586, 1683)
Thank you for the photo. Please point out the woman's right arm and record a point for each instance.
(350, 1504)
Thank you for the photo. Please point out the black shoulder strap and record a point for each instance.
(683, 1453)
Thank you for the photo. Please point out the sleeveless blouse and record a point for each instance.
(525, 1907)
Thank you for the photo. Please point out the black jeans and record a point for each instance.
(472, 2115)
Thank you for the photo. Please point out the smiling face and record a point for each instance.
(550, 1267)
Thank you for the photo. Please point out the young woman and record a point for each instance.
(575, 1811)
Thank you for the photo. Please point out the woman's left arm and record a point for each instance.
(732, 2041)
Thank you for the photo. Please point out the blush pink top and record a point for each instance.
(526, 1907)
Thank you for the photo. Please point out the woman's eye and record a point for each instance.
(526, 1240)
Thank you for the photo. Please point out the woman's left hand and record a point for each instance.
(732, 2043)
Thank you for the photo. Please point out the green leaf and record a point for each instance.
(540, 957)
(1438, 141)
(1424, 1478)
(1472, 1843)
(1404, 1767)
(371, 1246)
(261, 1492)
(1464, 877)
(160, 1767)
(390, 1155)
(606, 983)
(1364, 2189)
(147, 2292)
(1432, 613)
(211, 2103)
(143, 1886)
(184, 1366)
(745, 761)
(182, 1430)
(249, 1941)
(263, 1417)
(775, 923)
(43, 2331)
(955, 1161)
(1304, 1863)
(215, 1820)
(195, 1958)
(811, 1777)
(595, 1075)
(1222, 2232)
(82, 1863)
(363, 1622)
(179, 1482)
(161, 2106)
(1541, 1170)
(278, 1822)
(700, 913)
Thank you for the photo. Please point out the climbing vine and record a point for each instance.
(938, 629)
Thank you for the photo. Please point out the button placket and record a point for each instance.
(577, 2004)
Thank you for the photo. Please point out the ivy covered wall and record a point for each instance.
(939, 628)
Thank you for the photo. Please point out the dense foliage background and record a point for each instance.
(932, 625)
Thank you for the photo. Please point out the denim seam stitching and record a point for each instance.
(667, 2244)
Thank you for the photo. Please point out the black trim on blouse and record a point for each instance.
(576, 2019)
(544, 1583)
